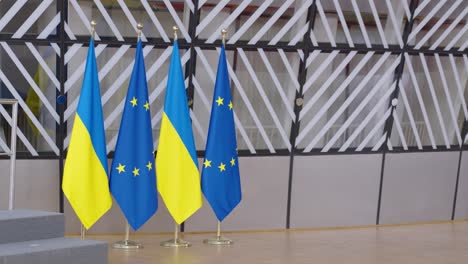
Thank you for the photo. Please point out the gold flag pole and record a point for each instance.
(219, 240)
(127, 243)
(93, 29)
(176, 241)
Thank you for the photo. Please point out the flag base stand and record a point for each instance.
(176, 242)
(127, 243)
(218, 239)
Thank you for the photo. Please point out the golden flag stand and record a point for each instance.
(218, 240)
(176, 242)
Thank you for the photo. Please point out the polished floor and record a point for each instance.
(445, 243)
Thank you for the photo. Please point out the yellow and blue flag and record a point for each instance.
(133, 178)
(176, 160)
(220, 174)
(85, 182)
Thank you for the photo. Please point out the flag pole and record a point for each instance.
(219, 240)
(93, 29)
(127, 243)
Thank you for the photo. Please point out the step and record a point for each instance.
(54, 251)
(24, 225)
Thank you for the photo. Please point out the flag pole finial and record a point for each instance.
(139, 29)
(175, 32)
(93, 28)
(223, 35)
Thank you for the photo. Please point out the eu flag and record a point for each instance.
(220, 175)
(133, 177)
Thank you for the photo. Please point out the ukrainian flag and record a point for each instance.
(85, 182)
(176, 162)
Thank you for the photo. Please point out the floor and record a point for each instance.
(416, 244)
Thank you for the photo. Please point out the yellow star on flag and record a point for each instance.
(207, 163)
(133, 101)
(222, 167)
(121, 168)
(136, 172)
(149, 165)
(220, 101)
(146, 106)
(230, 105)
(233, 162)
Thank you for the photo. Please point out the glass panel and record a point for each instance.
(21, 72)
(444, 108)
(377, 24)
(120, 21)
(340, 113)
(43, 10)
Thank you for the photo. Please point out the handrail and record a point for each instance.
(12, 152)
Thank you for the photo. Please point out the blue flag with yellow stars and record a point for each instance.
(220, 176)
(133, 177)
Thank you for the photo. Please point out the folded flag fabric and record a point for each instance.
(176, 160)
(85, 182)
(220, 174)
(133, 177)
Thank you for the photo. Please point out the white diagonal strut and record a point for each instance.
(277, 83)
(348, 101)
(21, 136)
(268, 25)
(410, 115)
(32, 18)
(375, 13)
(155, 20)
(289, 69)
(28, 112)
(361, 23)
(371, 134)
(249, 22)
(449, 29)
(426, 19)
(130, 18)
(267, 102)
(83, 18)
(320, 70)
(108, 20)
(343, 23)
(327, 83)
(367, 119)
(397, 123)
(12, 12)
(233, 16)
(434, 98)
(448, 97)
(209, 18)
(323, 17)
(420, 100)
(458, 83)
(439, 23)
(50, 27)
(30, 80)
